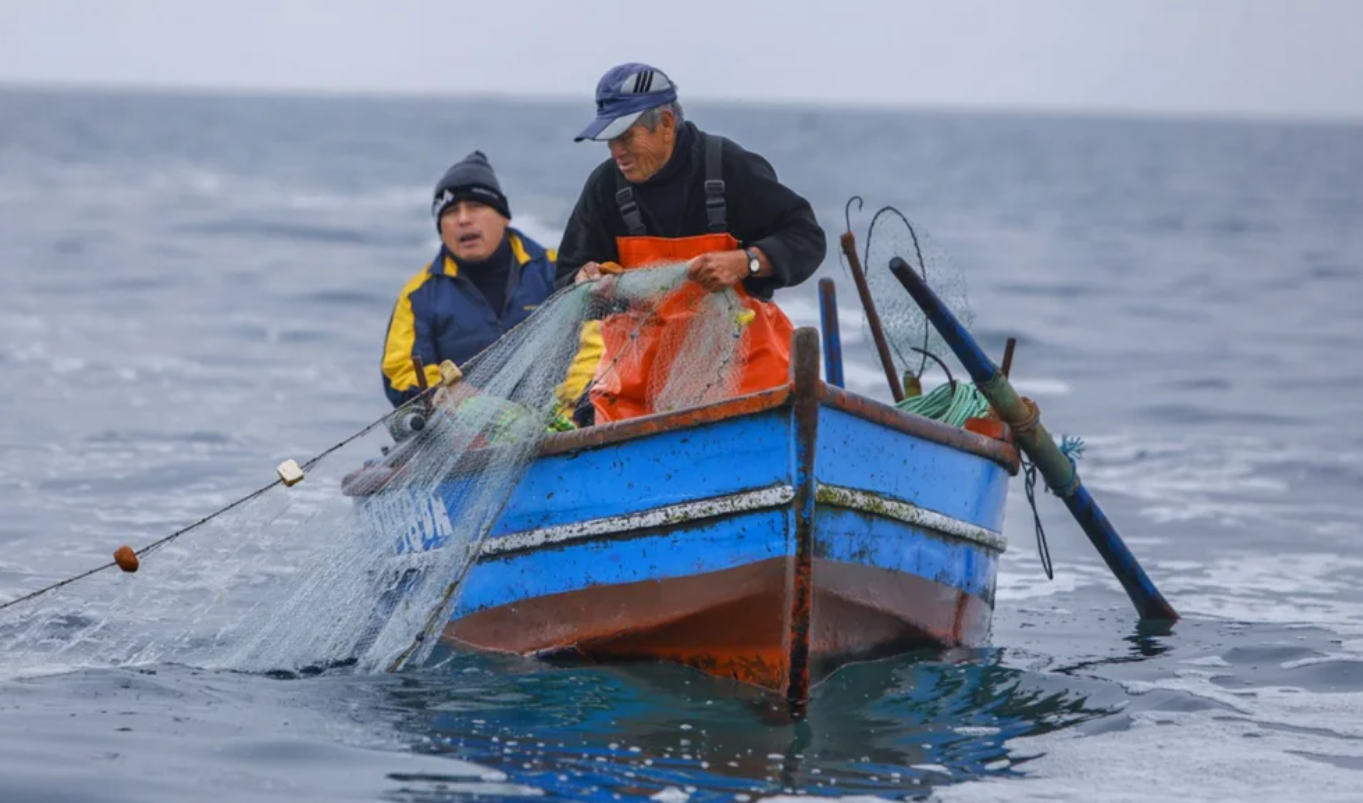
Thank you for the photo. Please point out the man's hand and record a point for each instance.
(721, 270)
(588, 273)
(592, 271)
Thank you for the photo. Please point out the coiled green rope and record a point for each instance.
(950, 403)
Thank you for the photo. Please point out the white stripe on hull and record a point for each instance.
(745, 502)
(760, 499)
(861, 501)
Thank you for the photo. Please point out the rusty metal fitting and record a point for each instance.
(1027, 425)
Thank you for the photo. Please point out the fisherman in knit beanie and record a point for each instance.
(486, 278)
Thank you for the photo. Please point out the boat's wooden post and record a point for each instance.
(849, 249)
(420, 368)
(1024, 418)
(805, 385)
(421, 383)
(832, 338)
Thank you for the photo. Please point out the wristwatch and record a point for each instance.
(754, 264)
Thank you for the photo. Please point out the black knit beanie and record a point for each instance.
(471, 179)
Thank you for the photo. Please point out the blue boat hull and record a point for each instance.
(769, 538)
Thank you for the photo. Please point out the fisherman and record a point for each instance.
(487, 278)
(670, 193)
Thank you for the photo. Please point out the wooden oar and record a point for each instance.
(1024, 418)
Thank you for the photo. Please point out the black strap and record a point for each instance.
(629, 208)
(716, 211)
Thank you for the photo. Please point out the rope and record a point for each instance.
(953, 404)
(1043, 549)
(1029, 423)
(153, 546)
(1072, 448)
(948, 404)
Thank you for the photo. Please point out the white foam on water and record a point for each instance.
(181, 181)
(395, 197)
(822, 799)
(1317, 660)
(1209, 661)
(1266, 742)
(1317, 589)
(803, 310)
(1226, 480)
(1151, 761)
(1040, 386)
(1018, 583)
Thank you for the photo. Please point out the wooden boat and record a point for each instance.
(769, 538)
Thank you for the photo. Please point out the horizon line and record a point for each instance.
(1172, 114)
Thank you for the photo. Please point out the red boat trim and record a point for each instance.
(911, 608)
(730, 623)
(727, 623)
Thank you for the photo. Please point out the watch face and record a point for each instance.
(753, 264)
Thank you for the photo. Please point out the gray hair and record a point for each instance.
(651, 118)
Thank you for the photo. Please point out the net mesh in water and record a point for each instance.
(314, 575)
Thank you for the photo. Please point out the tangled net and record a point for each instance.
(309, 576)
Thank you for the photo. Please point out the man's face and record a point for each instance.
(640, 153)
(472, 231)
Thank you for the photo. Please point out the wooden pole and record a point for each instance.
(849, 249)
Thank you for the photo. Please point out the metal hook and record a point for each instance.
(847, 210)
(950, 379)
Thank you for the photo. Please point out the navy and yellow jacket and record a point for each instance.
(441, 315)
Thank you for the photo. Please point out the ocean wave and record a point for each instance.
(1229, 480)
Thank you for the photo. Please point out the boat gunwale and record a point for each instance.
(1001, 452)
(632, 428)
(868, 409)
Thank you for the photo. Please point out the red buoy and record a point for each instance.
(126, 558)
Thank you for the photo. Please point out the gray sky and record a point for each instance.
(1238, 57)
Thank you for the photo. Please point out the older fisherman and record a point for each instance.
(486, 278)
(671, 192)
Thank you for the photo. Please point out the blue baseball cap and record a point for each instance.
(624, 93)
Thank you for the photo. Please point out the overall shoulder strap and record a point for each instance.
(629, 208)
(716, 211)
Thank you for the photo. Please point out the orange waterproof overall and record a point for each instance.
(621, 386)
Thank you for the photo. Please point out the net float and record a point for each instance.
(126, 558)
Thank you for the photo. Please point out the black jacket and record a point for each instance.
(762, 212)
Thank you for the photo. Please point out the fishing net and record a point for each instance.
(915, 345)
(362, 562)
